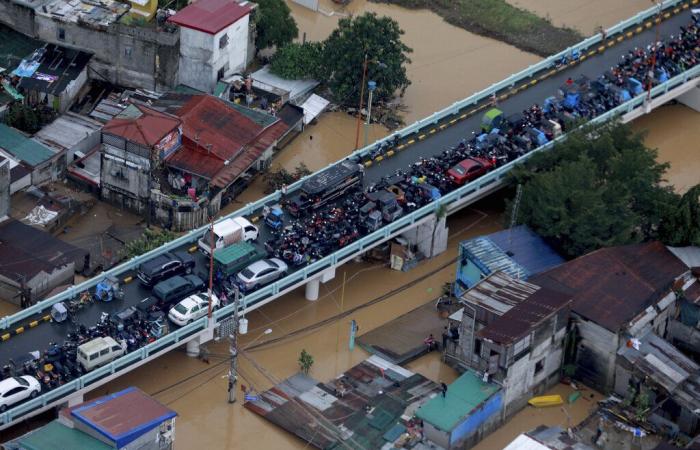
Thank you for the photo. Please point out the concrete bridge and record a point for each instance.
(24, 331)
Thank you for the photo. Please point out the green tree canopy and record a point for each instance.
(682, 226)
(601, 187)
(344, 52)
(294, 61)
(274, 23)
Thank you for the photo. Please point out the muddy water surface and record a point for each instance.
(675, 131)
(584, 15)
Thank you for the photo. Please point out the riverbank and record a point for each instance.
(500, 20)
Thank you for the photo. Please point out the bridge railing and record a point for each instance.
(308, 272)
(192, 236)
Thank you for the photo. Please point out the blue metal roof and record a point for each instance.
(519, 252)
(123, 416)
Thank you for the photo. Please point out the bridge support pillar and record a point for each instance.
(193, 345)
(75, 400)
(691, 99)
(312, 287)
(430, 237)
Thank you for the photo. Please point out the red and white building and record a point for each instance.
(214, 41)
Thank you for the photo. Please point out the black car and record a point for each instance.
(173, 290)
(165, 266)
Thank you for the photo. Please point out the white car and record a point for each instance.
(16, 389)
(261, 272)
(192, 308)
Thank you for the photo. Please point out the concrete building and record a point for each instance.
(32, 263)
(133, 144)
(214, 39)
(125, 52)
(20, 176)
(470, 409)
(518, 251)
(53, 75)
(617, 292)
(513, 332)
(45, 165)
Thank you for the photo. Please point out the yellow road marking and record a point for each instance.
(19, 330)
(378, 158)
(46, 318)
(620, 38)
(592, 52)
(192, 249)
(638, 29)
(411, 141)
(390, 153)
(629, 34)
(421, 137)
(368, 163)
(463, 116)
(33, 323)
(453, 121)
(533, 82)
(432, 131)
(6, 336)
(443, 126)
(400, 147)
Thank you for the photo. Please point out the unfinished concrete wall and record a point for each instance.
(595, 360)
(44, 282)
(18, 17)
(430, 237)
(130, 56)
(125, 179)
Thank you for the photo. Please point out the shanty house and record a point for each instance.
(44, 164)
(214, 41)
(518, 251)
(133, 145)
(32, 262)
(513, 332)
(617, 293)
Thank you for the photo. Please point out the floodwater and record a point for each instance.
(448, 64)
(584, 15)
(675, 131)
(373, 295)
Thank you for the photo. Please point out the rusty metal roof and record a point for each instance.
(521, 306)
(219, 142)
(147, 129)
(613, 285)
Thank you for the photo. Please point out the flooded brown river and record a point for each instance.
(448, 64)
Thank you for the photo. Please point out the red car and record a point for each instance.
(469, 169)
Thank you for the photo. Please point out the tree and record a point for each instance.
(682, 225)
(599, 188)
(150, 240)
(378, 38)
(305, 361)
(274, 23)
(294, 61)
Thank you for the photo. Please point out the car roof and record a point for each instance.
(8, 383)
(257, 266)
(158, 261)
(470, 162)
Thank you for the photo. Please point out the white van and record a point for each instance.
(227, 232)
(98, 352)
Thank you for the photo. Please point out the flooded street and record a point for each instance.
(584, 15)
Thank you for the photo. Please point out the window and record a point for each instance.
(13, 391)
(104, 351)
(539, 366)
(477, 347)
(223, 41)
(127, 51)
(61, 34)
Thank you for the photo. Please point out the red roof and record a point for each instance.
(211, 16)
(148, 129)
(214, 133)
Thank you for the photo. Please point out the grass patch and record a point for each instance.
(500, 20)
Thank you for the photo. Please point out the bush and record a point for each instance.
(276, 178)
(150, 240)
(295, 61)
(305, 361)
(275, 25)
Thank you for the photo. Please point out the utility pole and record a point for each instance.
(211, 263)
(371, 86)
(362, 94)
(233, 335)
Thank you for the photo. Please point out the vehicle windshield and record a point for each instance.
(272, 263)
(22, 381)
(206, 239)
(247, 273)
(181, 309)
(459, 169)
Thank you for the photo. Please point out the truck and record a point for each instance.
(326, 186)
(227, 232)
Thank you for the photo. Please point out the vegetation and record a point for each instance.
(295, 61)
(177, 5)
(305, 361)
(339, 60)
(600, 188)
(500, 20)
(276, 178)
(682, 225)
(28, 119)
(150, 240)
(274, 23)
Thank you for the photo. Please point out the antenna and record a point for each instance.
(514, 218)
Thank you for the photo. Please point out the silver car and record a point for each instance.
(260, 273)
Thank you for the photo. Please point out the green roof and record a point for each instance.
(233, 252)
(220, 88)
(258, 117)
(463, 395)
(55, 435)
(23, 148)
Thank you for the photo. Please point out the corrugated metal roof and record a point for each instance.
(613, 285)
(313, 106)
(55, 435)
(67, 131)
(525, 442)
(490, 258)
(263, 79)
(499, 292)
(689, 255)
(211, 16)
(123, 416)
(21, 147)
(527, 248)
(464, 395)
(147, 129)
(58, 67)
